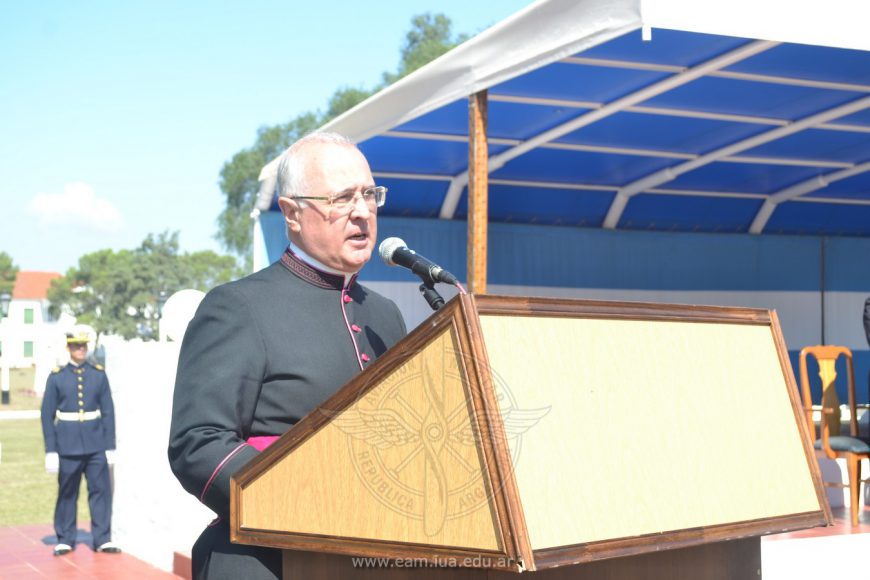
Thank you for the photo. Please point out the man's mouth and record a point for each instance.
(360, 237)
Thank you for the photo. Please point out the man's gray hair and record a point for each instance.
(291, 168)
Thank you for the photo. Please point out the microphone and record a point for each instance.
(394, 252)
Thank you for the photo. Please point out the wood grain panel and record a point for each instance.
(478, 192)
(652, 425)
(401, 464)
(740, 559)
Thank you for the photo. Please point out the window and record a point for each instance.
(28, 348)
(28, 316)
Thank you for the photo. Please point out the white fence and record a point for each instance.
(153, 516)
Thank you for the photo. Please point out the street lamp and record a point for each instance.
(5, 299)
(161, 301)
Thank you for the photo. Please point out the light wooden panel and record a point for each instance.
(478, 191)
(650, 426)
(401, 464)
(737, 559)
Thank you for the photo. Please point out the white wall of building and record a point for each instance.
(153, 517)
(46, 336)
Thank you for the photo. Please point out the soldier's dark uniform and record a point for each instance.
(259, 354)
(74, 397)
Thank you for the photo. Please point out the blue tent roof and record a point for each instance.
(687, 131)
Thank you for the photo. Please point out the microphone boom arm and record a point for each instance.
(433, 298)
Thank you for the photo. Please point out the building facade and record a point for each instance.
(31, 341)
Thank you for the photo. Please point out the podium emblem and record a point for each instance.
(414, 444)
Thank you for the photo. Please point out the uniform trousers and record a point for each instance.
(96, 471)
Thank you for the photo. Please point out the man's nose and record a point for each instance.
(359, 207)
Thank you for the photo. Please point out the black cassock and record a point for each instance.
(259, 354)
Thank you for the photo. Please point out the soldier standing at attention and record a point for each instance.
(78, 424)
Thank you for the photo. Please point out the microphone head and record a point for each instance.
(388, 248)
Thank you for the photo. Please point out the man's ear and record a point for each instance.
(290, 209)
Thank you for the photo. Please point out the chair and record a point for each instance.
(830, 441)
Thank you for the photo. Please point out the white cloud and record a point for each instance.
(79, 206)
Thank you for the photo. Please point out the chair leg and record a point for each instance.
(854, 465)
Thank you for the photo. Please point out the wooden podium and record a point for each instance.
(569, 438)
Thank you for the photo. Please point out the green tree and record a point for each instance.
(116, 292)
(239, 184)
(8, 273)
(430, 37)
(95, 292)
(342, 100)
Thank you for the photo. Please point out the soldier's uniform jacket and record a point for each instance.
(261, 353)
(78, 390)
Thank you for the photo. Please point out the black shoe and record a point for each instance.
(109, 548)
(62, 549)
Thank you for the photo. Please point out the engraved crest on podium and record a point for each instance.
(413, 442)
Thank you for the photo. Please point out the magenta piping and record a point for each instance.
(217, 469)
(261, 442)
(347, 324)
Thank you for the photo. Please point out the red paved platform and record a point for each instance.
(842, 526)
(26, 552)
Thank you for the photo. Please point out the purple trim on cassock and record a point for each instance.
(261, 441)
(349, 330)
(217, 469)
(311, 274)
(326, 280)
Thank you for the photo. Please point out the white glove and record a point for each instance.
(110, 456)
(52, 462)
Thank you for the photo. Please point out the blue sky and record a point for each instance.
(116, 117)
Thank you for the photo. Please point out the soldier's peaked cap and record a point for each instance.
(77, 338)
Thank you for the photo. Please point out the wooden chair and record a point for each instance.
(830, 441)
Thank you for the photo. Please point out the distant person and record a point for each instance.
(78, 423)
(263, 351)
(867, 319)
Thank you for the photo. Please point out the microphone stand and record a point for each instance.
(427, 289)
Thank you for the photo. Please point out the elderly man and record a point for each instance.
(263, 351)
(78, 424)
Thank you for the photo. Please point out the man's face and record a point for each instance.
(78, 351)
(339, 239)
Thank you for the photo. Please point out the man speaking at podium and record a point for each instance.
(264, 351)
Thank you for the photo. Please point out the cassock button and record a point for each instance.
(364, 357)
(347, 299)
(355, 328)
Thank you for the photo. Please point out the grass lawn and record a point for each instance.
(22, 397)
(28, 492)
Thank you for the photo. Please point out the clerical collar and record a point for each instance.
(320, 265)
(314, 271)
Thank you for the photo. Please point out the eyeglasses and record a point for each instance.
(343, 201)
